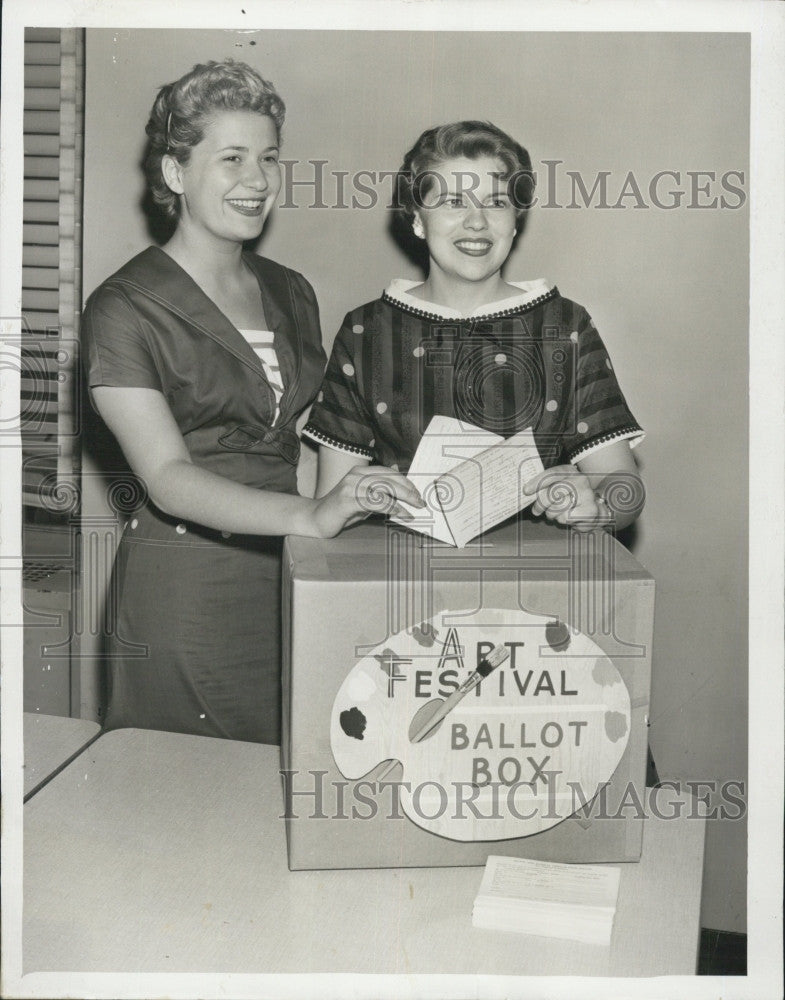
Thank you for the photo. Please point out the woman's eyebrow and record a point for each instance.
(244, 149)
(459, 192)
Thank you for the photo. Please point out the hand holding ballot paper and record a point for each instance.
(470, 480)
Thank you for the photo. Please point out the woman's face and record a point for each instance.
(232, 179)
(467, 218)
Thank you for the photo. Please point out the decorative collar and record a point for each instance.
(157, 275)
(398, 293)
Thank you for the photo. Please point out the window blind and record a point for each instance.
(51, 262)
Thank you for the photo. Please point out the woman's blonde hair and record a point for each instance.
(183, 109)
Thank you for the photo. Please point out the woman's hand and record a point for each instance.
(605, 490)
(364, 490)
(565, 495)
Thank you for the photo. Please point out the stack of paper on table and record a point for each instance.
(577, 902)
(470, 479)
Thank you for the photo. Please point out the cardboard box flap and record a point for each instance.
(528, 547)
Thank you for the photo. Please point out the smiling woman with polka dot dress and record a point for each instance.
(200, 357)
(468, 344)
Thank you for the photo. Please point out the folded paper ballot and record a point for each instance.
(577, 902)
(469, 478)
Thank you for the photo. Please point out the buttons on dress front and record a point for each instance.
(180, 529)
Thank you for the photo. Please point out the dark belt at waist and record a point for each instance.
(151, 525)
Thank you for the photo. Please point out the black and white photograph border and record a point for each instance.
(660, 204)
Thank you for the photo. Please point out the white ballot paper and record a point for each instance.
(469, 478)
(577, 902)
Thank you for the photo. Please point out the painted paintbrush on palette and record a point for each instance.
(487, 665)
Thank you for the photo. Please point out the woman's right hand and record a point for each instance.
(155, 449)
(364, 490)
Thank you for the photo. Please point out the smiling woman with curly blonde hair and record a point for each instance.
(200, 358)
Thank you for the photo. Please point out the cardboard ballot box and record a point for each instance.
(545, 758)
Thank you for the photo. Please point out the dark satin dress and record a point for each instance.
(195, 646)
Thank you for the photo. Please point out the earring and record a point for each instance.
(418, 230)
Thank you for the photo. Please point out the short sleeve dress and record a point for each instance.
(533, 360)
(194, 619)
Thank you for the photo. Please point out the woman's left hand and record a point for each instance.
(565, 495)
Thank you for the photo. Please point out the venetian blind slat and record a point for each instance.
(36, 189)
(42, 35)
(42, 167)
(42, 98)
(46, 122)
(40, 411)
(39, 321)
(42, 145)
(40, 234)
(40, 211)
(40, 299)
(42, 54)
(42, 76)
(35, 256)
(41, 277)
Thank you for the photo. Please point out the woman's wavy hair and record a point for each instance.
(470, 139)
(184, 108)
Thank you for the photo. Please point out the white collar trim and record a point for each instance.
(399, 290)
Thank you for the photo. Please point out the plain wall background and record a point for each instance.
(668, 290)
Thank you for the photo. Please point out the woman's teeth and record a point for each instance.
(474, 246)
(247, 206)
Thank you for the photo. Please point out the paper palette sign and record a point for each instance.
(526, 748)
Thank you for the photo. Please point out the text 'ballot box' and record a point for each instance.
(544, 758)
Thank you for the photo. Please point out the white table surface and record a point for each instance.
(158, 852)
(49, 740)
